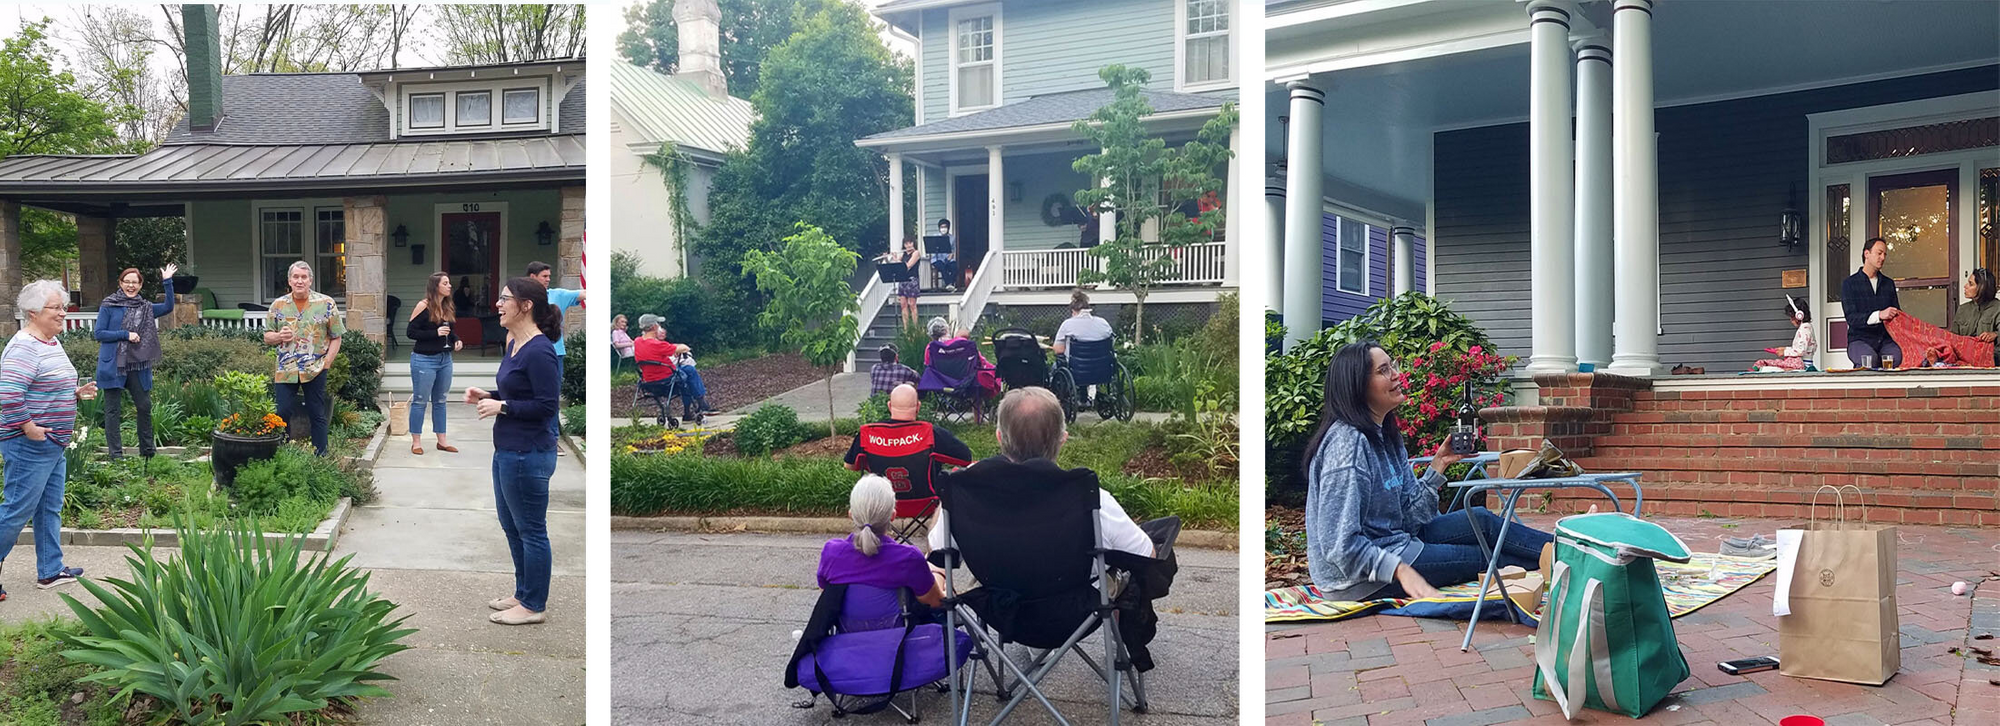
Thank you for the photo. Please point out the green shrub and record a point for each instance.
(356, 374)
(769, 428)
(710, 318)
(237, 630)
(876, 408)
(649, 485)
(261, 486)
(574, 422)
(575, 364)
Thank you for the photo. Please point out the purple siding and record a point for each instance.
(1337, 305)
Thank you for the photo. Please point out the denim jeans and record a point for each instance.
(693, 393)
(1451, 555)
(317, 408)
(521, 493)
(142, 400)
(430, 383)
(34, 488)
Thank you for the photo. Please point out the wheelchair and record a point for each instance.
(1092, 363)
(663, 399)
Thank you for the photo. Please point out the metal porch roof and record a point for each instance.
(1052, 108)
(207, 168)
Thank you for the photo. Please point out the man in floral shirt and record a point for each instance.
(306, 328)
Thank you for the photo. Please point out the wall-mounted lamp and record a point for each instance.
(401, 235)
(416, 254)
(1791, 226)
(1013, 191)
(544, 235)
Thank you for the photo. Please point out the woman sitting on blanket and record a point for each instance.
(1791, 357)
(1970, 340)
(1372, 527)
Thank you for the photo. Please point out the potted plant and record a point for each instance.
(251, 430)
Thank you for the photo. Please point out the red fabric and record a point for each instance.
(1921, 340)
(648, 349)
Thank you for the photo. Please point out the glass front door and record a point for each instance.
(472, 256)
(1915, 214)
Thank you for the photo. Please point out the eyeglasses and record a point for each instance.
(507, 298)
(58, 306)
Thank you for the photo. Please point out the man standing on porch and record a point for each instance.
(1868, 299)
(306, 329)
(562, 300)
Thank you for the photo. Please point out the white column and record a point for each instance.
(1274, 244)
(1303, 185)
(1635, 173)
(1107, 222)
(1233, 219)
(996, 202)
(1593, 202)
(1404, 241)
(1551, 191)
(896, 203)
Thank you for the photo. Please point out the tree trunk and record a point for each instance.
(1139, 318)
(830, 430)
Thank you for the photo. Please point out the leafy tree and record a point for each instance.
(828, 85)
(477, 34)
(810, 302)
(1148, 181)
(49, 112)
(147, 244)
(750, 29)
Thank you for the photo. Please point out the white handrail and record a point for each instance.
(1196, 264)
(976, 294)
(872, 298)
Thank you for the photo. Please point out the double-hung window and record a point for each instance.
(975, 58)
(1204, 51)
(1353, 263)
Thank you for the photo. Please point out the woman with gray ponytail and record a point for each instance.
(866, 557)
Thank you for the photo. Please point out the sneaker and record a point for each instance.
(66, 576)
(1755, 547)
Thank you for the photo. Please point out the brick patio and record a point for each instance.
(1384, 669)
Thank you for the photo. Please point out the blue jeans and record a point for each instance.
(693, 393)
(430, 384)
(317, 407)
(34, 489)
(521, 493)
(1451, 555)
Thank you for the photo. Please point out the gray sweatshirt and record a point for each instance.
(1363, 507)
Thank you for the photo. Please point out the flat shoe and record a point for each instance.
(529, 619)
(502, 603)
(418, 450)
(448, 449)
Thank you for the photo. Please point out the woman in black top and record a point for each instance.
(524, 444)
(430, 360)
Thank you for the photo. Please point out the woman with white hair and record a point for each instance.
(866, 557)
(38, 395)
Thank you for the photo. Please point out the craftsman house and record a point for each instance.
(998, 85)
(1630, 187)
(376, 178)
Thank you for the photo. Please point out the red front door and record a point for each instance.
(471, 254)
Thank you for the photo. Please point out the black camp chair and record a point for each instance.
(1032, 546)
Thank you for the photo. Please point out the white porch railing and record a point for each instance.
(1027, 269)
(973, 302)
(251, 320)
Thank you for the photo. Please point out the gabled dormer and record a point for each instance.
(459, 101)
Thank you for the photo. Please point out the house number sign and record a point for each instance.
(468, 207)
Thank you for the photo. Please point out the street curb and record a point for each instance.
(1202, 539)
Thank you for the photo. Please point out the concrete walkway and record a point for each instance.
(433, 543)
(701, 630)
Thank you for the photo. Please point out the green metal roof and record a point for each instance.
(663, 108)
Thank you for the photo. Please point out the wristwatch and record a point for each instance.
(503, 408)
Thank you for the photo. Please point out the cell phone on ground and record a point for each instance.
(1748, 665)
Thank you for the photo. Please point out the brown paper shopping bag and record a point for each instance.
(1843, 623)
(399, 416)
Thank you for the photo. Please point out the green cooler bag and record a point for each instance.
(1605, 639)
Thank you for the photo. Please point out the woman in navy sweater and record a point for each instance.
(524, 446)
(128, 346)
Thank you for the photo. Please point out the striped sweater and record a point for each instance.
(37, 382)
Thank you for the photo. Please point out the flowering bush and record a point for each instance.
(671, 442)
(247, 398)
(1435, 382)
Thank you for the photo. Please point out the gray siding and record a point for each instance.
(1727, 170)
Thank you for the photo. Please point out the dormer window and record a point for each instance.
(470, 107)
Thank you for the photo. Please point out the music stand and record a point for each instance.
(893, 271)
(937, 244)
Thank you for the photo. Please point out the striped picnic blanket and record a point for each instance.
(1688, 587)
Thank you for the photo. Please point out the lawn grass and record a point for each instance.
(37, 683)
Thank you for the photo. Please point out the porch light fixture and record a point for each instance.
(543, 235)
(1791, 226)
(401, 235)
(1013, 191)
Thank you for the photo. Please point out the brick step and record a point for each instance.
(1942, 432)
(1669, 498)
(1938, 462)
(1696, 472)
(1786, 394)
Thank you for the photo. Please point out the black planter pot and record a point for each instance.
(185, 284)
(231, 451)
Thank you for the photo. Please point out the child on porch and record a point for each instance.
(1791, 357)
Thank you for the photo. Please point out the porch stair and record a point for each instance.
(465, 372)
(882, 330)
(1918, 454)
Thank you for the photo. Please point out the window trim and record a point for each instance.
(952, 19)
(458, 97)
(1181, 38)
(503, 106)
(444, 112)
(496, 90)
(309, 246)
(1367, 255)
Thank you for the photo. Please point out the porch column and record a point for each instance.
(896, 202)
(1635, 211)
(1274, 244)
(10, 265)
(1107, 222)
(1551, 191)
(367, 273)
(1233, 219)
(996, 203)
(1593, 202)
(1405, 241)
(93, 256)
(1303, 240)
(569, 251)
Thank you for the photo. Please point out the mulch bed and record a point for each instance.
(825, 447)
(1155, 463)
(734, 385)
(1289, 568)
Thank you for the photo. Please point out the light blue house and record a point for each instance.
(998, 85)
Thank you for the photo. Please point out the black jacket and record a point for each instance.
(1858, 301)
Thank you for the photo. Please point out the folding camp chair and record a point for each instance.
(1032, 545)
(950, 383)
(905, 453)
(866, 645)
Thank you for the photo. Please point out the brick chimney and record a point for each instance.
(203, 44)
(700, 26)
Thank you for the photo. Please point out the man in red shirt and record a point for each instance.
(656, 358)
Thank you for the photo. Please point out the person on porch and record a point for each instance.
(943, 263)
(563, 300)
(1372, 526)
(38, 396)
(1979, 316)
(128, 338)
(306, 328)
(1791, 357)
(1868, 299)
(910, 288)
